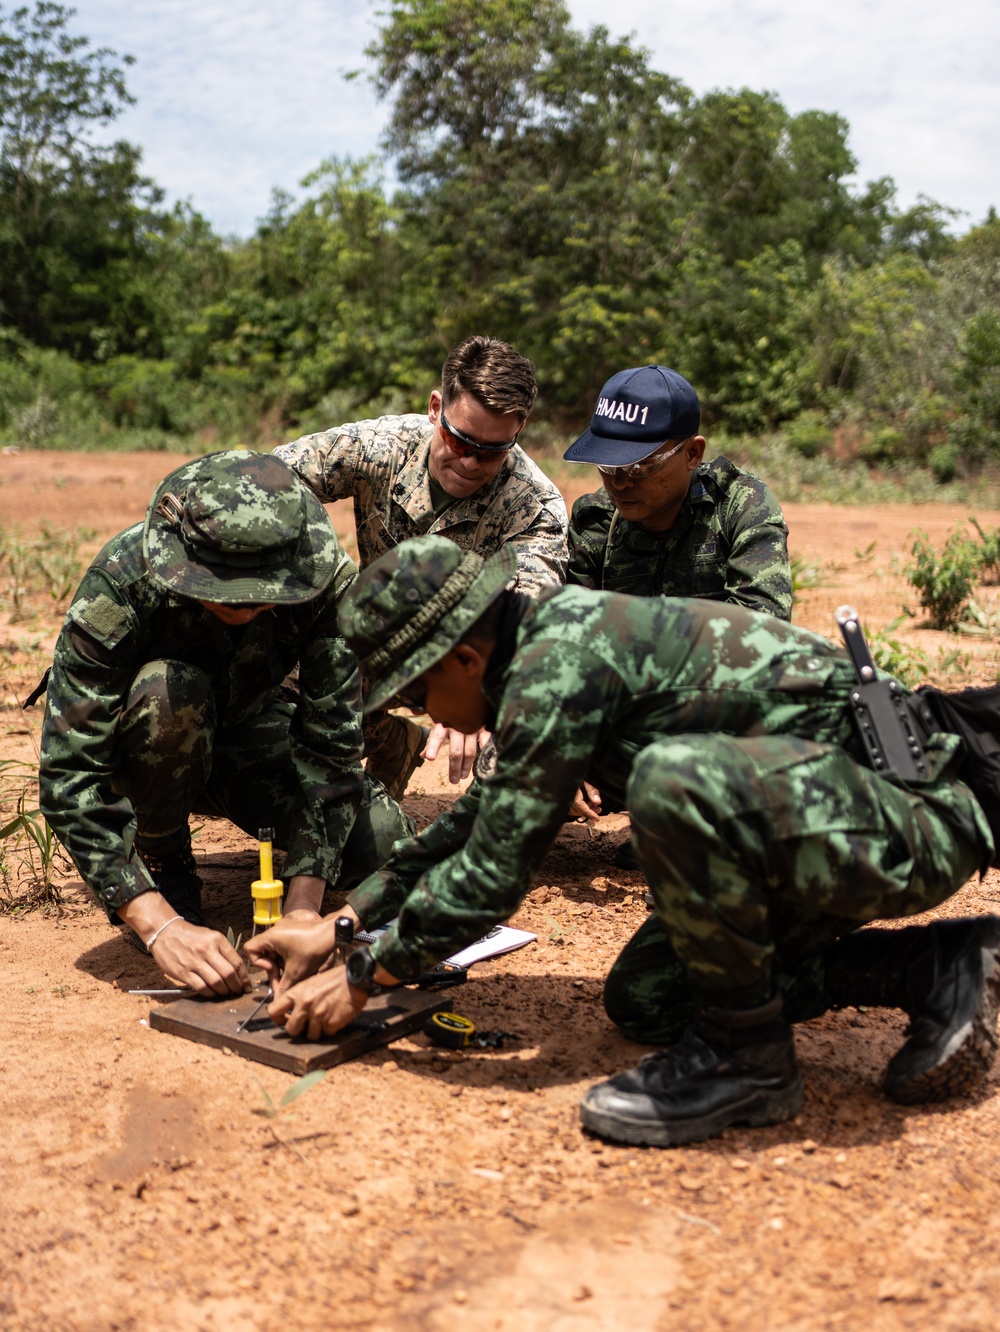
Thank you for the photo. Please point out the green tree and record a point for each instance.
(75, 216)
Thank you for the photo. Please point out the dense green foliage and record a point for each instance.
(554, 189)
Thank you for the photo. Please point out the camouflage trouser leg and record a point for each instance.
(163, 746)
(757, 850)
(171, 762)
(254, 785)
(649, 997)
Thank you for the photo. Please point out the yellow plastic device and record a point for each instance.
(267, 891)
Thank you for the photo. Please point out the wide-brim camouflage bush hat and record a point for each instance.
(238, 528)
(408, 609)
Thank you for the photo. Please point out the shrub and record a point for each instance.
(943, 462)
(810, 434)
(944, 582)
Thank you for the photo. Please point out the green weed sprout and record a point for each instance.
(36, 846)
(270, 1111)
(297, 1089)
(904, 662)
(804, 576)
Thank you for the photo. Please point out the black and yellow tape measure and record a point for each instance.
(455, 1032)
(450, 1030)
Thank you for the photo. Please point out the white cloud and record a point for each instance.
(237, 96)
(915, 79)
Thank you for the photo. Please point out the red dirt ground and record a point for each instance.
(141, 1190)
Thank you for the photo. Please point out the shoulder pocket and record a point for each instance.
(101, 618)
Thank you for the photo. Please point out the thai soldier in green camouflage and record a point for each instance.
(166, 698)
(458, 472)
(727, 735)
(667, 523)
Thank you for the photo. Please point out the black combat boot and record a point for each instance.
(731, 1066)
(946, 977)
(953, 998)
(171, 863)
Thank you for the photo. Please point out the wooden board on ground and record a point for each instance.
(386, 1017)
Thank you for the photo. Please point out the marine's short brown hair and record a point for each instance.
(498, 377)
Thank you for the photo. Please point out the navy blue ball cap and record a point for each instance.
(637, 411)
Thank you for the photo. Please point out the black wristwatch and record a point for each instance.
(360, 966)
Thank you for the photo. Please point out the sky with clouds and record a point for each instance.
(235, 97)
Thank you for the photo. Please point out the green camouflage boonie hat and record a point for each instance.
(408, 609)
(238, 528)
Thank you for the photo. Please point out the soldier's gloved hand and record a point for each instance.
(201, 958)
(462, 749)
(294, 949)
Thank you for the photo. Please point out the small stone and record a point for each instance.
(738, 1163)
(808, 1146)
(350, 1209)
(901, 1290)
(690, 1182)
(582, 1293)
(459, 1296)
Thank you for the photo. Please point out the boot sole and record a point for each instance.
(968, 1056)
(757, 1111)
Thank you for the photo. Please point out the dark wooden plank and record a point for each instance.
(386, 1017)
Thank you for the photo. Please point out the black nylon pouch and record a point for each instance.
(973, 714)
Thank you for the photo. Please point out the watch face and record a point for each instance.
(360, 967)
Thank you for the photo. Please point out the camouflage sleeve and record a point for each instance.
(758, 575)
(328, 462)
(326, 743)
(93, 667)
(589, 525)
(556, 714)
(541, 549)
(378, 899)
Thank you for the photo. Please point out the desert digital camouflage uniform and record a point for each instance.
(729, 543)
(154, 706)
(382, 466)
(726, 735)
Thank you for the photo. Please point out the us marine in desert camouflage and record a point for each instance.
(457, 472)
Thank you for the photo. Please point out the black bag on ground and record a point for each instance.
(974, 714)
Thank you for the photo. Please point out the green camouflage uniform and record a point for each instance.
(157, 710)
(729, 543)
(382, 466)
(724, 732)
